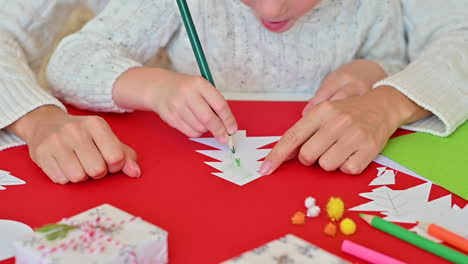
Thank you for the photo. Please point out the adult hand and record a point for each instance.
(346, 134)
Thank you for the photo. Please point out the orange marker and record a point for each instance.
(445, 235)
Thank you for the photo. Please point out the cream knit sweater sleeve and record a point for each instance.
(437, 78)
(20, 92)
(113, 42)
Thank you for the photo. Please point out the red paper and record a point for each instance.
(208, 219)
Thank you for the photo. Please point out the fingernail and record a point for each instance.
(223, 139)
(135, 169)
(232, 130)
(307, 108)
(265, 169)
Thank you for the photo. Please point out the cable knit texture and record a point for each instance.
(27, 31)
(242, 54)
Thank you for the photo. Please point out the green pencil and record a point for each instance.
(417, 240)
(197, 48)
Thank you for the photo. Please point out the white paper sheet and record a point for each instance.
(242, 166)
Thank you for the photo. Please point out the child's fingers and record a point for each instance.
(348, 91)
(340, 95)
(52, 170)
(219, 104)
(130, 167)
(117, 156)
(208, 118)
(91, 159)
(70, 165)
(108, 144)
(329, 87)
(174, 120)
(189, 118)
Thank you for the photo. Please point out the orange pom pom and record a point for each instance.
(330, 229)
(298, 218)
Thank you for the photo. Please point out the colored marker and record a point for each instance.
(445, 235)
(367, 254)
(415, 239)
(198, 49)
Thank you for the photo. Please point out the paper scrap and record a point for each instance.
(381, 170)
(412, 204)
(382, 160)
(384, 177)
(7, 179)
(242, 166)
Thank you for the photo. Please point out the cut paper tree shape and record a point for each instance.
(7, 179)
(242, 166)
(384, 161)
(411, 205)
(384, 177)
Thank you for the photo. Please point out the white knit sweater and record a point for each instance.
(27, 30)
(438, 47)
(242, 54)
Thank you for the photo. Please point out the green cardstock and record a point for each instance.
(444, 161)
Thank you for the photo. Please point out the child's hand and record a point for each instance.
(346, 134)
(73, 148)
(352, 79)
(188, 103)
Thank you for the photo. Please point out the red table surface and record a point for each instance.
(208, 219)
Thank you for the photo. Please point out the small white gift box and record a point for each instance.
(101, 235)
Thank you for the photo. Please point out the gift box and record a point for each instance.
(101, 235)
(286, 250)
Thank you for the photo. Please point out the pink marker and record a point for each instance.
(367, 254)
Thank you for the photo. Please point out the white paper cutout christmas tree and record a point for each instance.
(7, 179)
(384, 177)
(384, 161)
(411, 205)
(242, 166)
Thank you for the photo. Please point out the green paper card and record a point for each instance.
(444, 161)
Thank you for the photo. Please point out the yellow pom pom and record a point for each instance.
(348, 226)
(335, 208)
